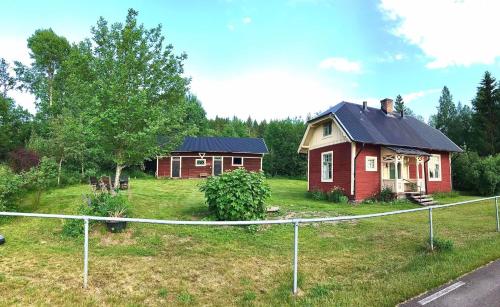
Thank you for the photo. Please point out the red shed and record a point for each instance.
(363, 150)
(200, 157)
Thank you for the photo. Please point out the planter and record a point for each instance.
(2, 240)
(114, 226)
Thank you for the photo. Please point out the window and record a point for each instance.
(327, 166)
(371, 164)
(200, 162)
(434, 166)
(327, 129)
(392, 170)
(237, 161)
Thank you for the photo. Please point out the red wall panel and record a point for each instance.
(367, 183)
(445, 184)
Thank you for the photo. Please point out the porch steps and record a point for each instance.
(422, 199)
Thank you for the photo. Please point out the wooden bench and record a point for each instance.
(203, 175)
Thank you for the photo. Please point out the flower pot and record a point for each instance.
(114, 226)
(2, 240)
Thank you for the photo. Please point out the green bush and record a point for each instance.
(317, 194)
(41, 177)
(11, 187)
(237, 195)
(387, 195)
(337, 195)
(476, 174)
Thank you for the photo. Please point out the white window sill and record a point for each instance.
(434, 179)
(326, 180)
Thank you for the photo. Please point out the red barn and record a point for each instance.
(363, 149)
(200, 157)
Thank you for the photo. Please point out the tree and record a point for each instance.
(399, 106)
(196, 117)
(7, 82)
(138, 91)
(282, 137)
(447, 112)
(15, 126)
(461, 127)
(486, 108)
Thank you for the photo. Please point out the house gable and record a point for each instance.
(313, 137)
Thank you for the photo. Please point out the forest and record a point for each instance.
(101, 104)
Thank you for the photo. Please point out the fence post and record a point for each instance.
(295, 256)
(431, 232)
(496, 208)
(86, 254)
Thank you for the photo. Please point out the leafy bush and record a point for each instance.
(337, 195)
(475, 174)
(387, 195)
(42, 177)
(11, 186)
(317, 194)
(23, 159)
(237, 195)
(440, 244)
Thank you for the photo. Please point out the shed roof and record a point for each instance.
(374, 126)
(223, 144)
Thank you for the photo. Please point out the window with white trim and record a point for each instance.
(434, 167)
(327, 129)
(327, 166)
(371, 164)
(237, 161)
(200, 162)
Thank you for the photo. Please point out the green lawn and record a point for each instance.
(376, 262)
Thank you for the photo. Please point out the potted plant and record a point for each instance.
(117, 206)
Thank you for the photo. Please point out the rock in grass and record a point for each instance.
(2, 240)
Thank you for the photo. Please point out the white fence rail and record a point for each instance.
(295, 222)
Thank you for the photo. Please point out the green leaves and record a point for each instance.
(237, 195)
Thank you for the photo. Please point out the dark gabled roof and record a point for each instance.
(408, 151)
(223, 144)
(373, 126)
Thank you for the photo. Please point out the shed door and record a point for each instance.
(217, 166)
(176, 167)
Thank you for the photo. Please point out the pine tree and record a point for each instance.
(486, 113)
(399, 105)
(447, 112)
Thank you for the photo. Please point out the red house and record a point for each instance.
(200, 157)
(363, 149)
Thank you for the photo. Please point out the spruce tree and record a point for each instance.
(486, 113)
(447, 112)
(399, 105)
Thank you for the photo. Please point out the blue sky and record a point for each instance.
(273, 59)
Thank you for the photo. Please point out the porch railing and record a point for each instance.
(294, 222)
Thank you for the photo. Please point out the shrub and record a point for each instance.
(11, 186)
(387, 195)
(23, 159)
(237, 195)
(42, 177)
(337, 195)
(317, 194)
(475, 174)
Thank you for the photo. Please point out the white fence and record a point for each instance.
(295, 223)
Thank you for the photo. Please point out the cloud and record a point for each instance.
(247, 20)
(340, 64)
(416, 95)
(230, 27)
(390, 58)
(264, 94)
(449, 32)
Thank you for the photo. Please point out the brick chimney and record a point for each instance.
(387, 105)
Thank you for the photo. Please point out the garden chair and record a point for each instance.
(94, 183)
(124, 182)
(106, 183)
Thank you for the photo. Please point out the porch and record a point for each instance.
(403, 170)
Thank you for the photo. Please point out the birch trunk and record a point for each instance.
(119, 169)
(59, 170)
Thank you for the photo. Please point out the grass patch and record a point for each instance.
(376, 262)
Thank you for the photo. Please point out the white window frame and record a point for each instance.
(200, 165)
(323, 154)
(234, 164)
(371, 169)
(330, 124)
(439, 178)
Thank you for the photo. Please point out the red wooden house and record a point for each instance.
(363, 149)
(199, 157)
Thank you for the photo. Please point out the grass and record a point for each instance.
(375, 262)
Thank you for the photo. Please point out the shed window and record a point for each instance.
(327, 166)
(237, 161)
(434, 166)
(327, 129)
(371, 164)
(200, 162)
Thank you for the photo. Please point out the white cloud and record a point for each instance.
(230, 27)
(409, 97)
(340, 64)
(449, 32)
(264, 94)
(247, 20)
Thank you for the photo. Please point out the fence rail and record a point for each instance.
(295, 223)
